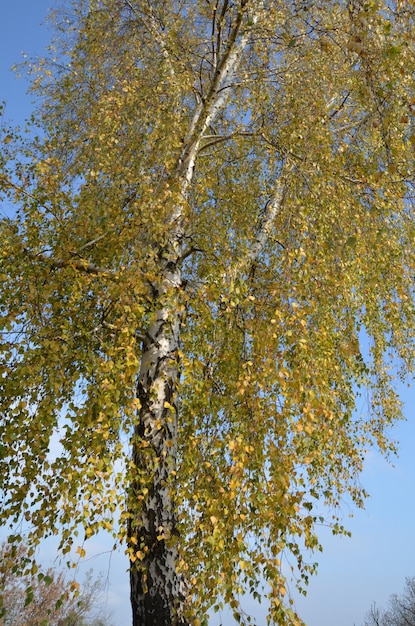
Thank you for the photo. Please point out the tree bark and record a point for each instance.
(158, 591)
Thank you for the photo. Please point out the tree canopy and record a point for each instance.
(211, 256)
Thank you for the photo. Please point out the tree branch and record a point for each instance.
(263, 232)
(220, 86)
(82, 265)
(212, 140)
(149, 22)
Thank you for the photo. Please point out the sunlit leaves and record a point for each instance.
(276, 345)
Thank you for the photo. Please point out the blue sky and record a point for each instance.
(354, 572)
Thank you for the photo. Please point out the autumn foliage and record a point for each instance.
(212, 257)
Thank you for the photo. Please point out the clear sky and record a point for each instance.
(354, 572)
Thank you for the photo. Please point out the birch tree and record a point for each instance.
(213, 209)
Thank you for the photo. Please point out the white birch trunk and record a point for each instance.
(157, 591)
